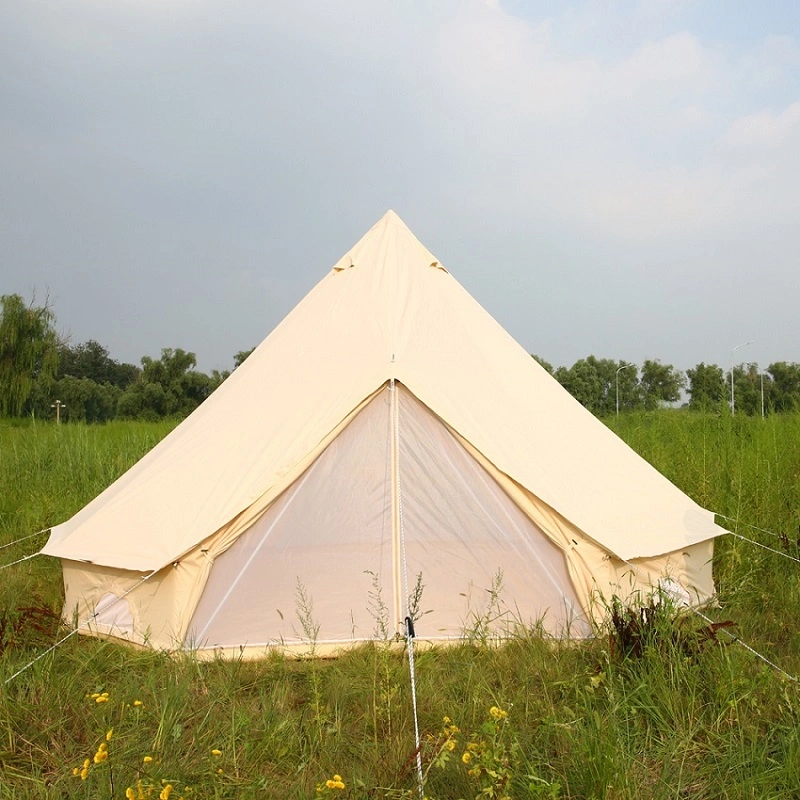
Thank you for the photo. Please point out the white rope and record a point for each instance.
(77, 628)
(41, 655)
(24, 538)
(766, 547)
(735, 638)
(409, 623)
(20, 560)
(747, 647)
(749, 525)
(753, 541)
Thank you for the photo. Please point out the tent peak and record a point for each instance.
(392, 218)
(388, 235)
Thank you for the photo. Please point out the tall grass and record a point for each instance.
(680, 718)
(747, 469)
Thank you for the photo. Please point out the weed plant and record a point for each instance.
(674, 711)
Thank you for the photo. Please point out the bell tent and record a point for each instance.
(388, 431)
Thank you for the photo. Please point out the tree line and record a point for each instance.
(602, 385)
(38, 369)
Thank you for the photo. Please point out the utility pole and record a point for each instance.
(58, 405)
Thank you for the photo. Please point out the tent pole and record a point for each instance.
(397, 579)
(401, 576)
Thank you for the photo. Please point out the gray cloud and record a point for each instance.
(179, 174)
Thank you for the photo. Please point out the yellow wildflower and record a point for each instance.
(450, 745)
(130, 794)
(86, 763)
(84, 774)
(109, 734)
(216, 752)
(446, 720)
(333, 783)
(103, 698)
(147, 759)
(137, 703)
(94, 695)
(466, 757)
(219, 771)
(76, 770)
(100, 756)
(165, 792)
(497, 713)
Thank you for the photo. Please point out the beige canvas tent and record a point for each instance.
(387, 428)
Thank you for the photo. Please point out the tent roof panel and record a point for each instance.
(382, 312)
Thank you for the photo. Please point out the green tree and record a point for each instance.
(86, 400)
(130, 404)
(167, 386)
(91, 360)
(707, 389)
(785, 389)
(593, 382)
(28, 351)
(747, 389)
(217, 378)
(660, 383)
(241, 357)
(542, 363)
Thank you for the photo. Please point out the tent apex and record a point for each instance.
(391, 217)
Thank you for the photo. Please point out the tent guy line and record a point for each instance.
(765, 547)
(680, 604)
(75, 630)
(747, 647)
(24, 538)
(750, 525)
(20, 560)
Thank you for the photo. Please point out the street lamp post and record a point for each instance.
(744, 344)
(616, 381)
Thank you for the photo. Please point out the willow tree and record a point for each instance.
(28, 351)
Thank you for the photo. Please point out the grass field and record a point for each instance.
(680, 717)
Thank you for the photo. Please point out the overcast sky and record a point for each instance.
(611, 178)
